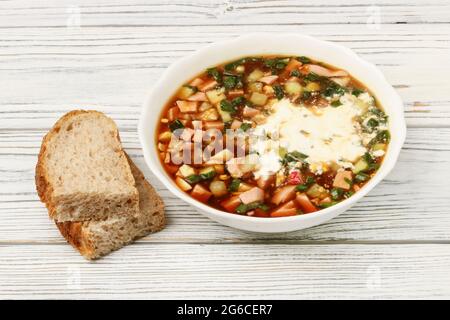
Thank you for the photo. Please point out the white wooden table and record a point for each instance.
(60, 55)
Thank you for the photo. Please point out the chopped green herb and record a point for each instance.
(295, 73)
(327, 204)
(276, 64)
(177, 124)
(356, 92)
(377, 112)
(249, 104)
(215, 74)
(227, 106)
(349, 182)
(238, 101)
(194, 178)
(279, 93)
(349, 193)
(243, 208)
(234, 185)
(303, 187)
(332, 89)
(336, 103)
(368, 158)
(310, 180)
(372, 123)
(304, 59)
(232, 65)
(382, 136)
(361, 177)
(312, 77)
(245, 126)
(306, 95)
(194, 89)
(208, 175)
(336, 193)
(294, 156)
(229, 82)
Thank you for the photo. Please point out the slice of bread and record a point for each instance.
(94, 239)
(82, 171)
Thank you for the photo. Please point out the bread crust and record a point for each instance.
(42, 181)
(76, 232)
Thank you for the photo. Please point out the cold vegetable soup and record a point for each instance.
(272, 136)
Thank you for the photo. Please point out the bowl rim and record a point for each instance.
(159, 172)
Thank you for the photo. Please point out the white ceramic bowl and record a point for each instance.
(263, 44)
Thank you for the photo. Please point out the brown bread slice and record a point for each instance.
(94, 239)
(82, 171)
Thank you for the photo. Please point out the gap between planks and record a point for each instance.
(295, 242)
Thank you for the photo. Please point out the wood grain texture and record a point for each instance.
(184, 271)
(393, 243)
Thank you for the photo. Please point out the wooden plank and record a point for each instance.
(193, 13)
(113, 68)
(176, 271)
(410, 205)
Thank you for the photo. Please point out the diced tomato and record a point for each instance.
(261, 213)
(304, 203)
(252, 195)
(200, 193)
(171, 168)
(287, 209)
(295, 177)
(231, 203)
(283, 194)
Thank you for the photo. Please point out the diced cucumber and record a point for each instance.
(317, 191)
(360, 165)
(362, 105)
(255, 87)
(379, 146)
(186, 171)
(255, 75)
(165, 136)
(282, 152)
(185, 92)
(226, 116)
(207, 173)
(293, 88)
(258, 99)
(313, 86)
(215, 96)
(244, 187)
